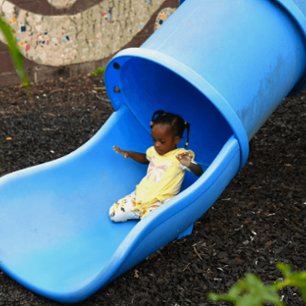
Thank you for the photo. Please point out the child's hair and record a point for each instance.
(176, 122)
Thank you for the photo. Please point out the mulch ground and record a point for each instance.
(259, 219)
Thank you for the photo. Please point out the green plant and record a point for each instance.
(14, 51)
(250, 291)
(99, 70)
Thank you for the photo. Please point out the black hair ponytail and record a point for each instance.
(187, 125)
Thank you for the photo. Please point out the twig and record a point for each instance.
(186, 267)
(196, 251)
(106, 100)
(49, 114)
(56, 90)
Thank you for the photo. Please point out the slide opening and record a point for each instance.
(145, 86)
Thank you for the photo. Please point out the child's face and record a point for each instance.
(163, 138)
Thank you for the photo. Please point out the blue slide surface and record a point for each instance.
(56, 238)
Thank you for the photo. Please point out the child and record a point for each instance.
(166, 170)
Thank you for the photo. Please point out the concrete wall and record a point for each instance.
(71, 37)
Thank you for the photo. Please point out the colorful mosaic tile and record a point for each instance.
(162, 16)
(91, 35)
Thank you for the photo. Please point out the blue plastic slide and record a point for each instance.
(224, 66)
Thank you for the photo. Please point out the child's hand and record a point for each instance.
(119, 151)
(184, 159)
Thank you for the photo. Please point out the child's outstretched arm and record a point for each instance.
(139, 157)
(185, 160)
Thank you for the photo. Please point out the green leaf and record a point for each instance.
(237, 289)
(298, 280)
(250, 291)
(249, 300)
(99, 70)
(259, 293)
(252, 281)
(14, 51)
(270, 294)
(214, 297)
(285, 269)
(303, 294)
(220, 297)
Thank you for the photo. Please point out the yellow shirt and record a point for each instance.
(164, 178)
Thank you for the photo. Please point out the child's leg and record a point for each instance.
(122, 210)
(153, 207)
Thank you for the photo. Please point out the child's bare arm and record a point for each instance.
(139, 157)
(196, 169)
(185, 160)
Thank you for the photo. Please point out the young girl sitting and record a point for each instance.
(166, 170)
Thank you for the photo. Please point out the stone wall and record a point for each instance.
(71, 37)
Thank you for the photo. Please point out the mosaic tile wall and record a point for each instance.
(76, 34)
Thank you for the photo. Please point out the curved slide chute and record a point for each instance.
(214, 63)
